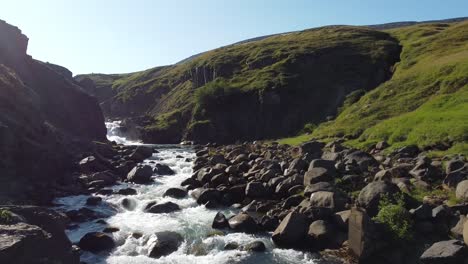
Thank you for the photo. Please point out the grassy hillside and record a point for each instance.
(424, 103)
(262, 89)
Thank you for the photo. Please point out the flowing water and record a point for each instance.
(201, 244)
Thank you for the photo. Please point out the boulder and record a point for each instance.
(163, 208)
(370, 196)
(220, 221)
(298, 164)
(203, 195)
(175, 193)
(445, 252)
(321, 234)
(94, 200)
(465, 232)
(231, 246)
(141, 153)
(219, 179)
(92, 164)
(256, 190)
(291, 231)
(319, 174)
(319, 186)
(256, 246)
(166, 243)
(163, 169)
(107, 176)
(126, 191)
(457, 230)
(243, 222)
(454, 165)
(129, 204)
(140, 174)
(96, 242)
(462, 191)
(321, 163)
(335, 201)
(313, 149)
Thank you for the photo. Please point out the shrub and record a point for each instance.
(5, 217)
(308, 128)
(395, 218)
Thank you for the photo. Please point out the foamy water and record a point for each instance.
(193, 222)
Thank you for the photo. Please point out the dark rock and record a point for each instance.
(321, 234)
(256, 190)
(92, 164)
(319, 186)
(292, 200)
(82, 215)
(110, 229)
(370, 196)
(298, 165)
(203, 195)
(105, 192)
(140, 174)
(320, 163)
(94, 200)
(256, 246)
(445, 252)
(141, 153)
(457, 230)
(243, 222)
(129, 204)
(220, 221)
(455, 177)
(219, 179)
(164, 208)
(163, 169)
(291, 231)
(231, 246)
(166, 243)
(312, 148)
(175, 193)
(423, 212)
(126, 191)
(335, 201)
(96, 242)
(315, 175)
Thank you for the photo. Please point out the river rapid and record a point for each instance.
(201, 245)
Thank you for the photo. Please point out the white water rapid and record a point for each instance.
(201, 244)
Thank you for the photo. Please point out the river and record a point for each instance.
(202, 244)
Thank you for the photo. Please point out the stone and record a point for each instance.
(321, 234)
(454, 165)
(92, 164)
(166, 243)
(457, 230)
(312, 148)
(243, 222)
(203, 195)
(110, 229)
(231, 246)
(298, 164)
(362, 237)
(163, 170)
(126, 191)
(465, 232)
(335, 201)
(445, 252)
(164, 208)
(370, 196)
(140, 174)
(315, 175)
(321, 163)
(219, 179)
(175, 193)
(319, 186)
(93, 201)
(96, 242)
(141, 153)
(381, 145)
(256, 246)
(341, 219)
(256, 190)
(291, 231)
(220, 221)
(128, 203)
(462, 191)
(423, 212)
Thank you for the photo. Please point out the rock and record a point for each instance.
(204, 196)
(220, 221)
(219, 179)
(423, 212)
(319, 186)
(313, 149)
(175, 193)
(110, 229)
(361, 158)
(166, 243)
(381, 145)
(315, 175)
(363, 239)
(256, 246)
(462, 191)
(335, 201)
(82, 215)
(445, 252)
(455, 177)
(141, 153)
(92, 164)
(293, 200)
(126, 191)
(105, 192)
(298, 164)
(321, 234)
(454, 165)
(370, 196)
(96, 242)
(243, 222)
(291, 231)
(164, 208)
(457, 230)
(341, 219)
(140, 174)
(465, 232)
(94, 200)
(256, 190)
(129, 204)
(163, 169)
(231, 246)
(321, 163)
(108, 177)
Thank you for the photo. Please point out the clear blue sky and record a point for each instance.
(125, 36)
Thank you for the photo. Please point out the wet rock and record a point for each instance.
(243, 222)
(291, 231)
(166, 243)
(92, 164)
(163, 169)
(126, 191)
(220, 221)
(129, 204)
(82, 215)
(96, 242)
(141, 153)
(175, 193)
(94, 200)
(105, 192)
(256, 246)
(370, 196)
(203, 195)
(110, 229)
(445, 252)
(163, 208)
(231, 246)
(140, 174)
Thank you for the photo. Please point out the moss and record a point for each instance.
(5, 216)
(448, 195)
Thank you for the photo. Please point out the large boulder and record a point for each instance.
(321, 234)
(140, 174)
(462, 191)
(336, 201)
(163, 208)
(243, 222)
(220, 221)
(141, 153)
(92, 164)
(256, 190)
(163, 169)
(96, 242)
(203, 195)
(166, 243)
(175, 193)
(370, 196)
(291, 231)
(318, 174)
(445, 252)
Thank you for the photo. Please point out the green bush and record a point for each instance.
(5, 217)
(308, 128)
(395, 217)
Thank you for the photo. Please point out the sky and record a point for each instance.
(119, 36)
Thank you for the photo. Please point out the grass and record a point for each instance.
(448, 195)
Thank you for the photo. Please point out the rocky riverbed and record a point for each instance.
(256, 202)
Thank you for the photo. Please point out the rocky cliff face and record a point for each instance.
(44, 117)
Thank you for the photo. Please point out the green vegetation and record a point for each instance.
(443, 194)
(425, 102)
(5, 216)
(395, 218)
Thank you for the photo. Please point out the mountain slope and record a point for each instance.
(262, 89)
(425, 102)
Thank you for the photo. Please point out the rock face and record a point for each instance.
(166, 243)
(41, 111)
(445, 252)
(36, 237)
